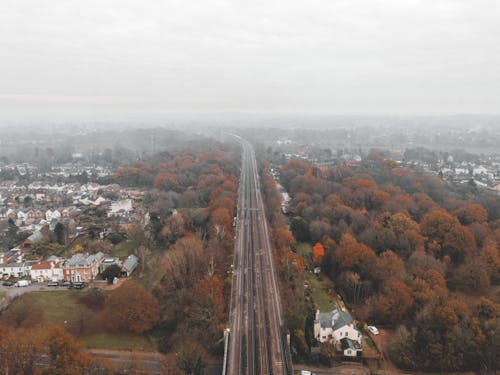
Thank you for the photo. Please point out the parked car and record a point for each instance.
(53, 283)
(67, 284)
(23, 283)
(79, 285)
(7, 283)
(373, 330)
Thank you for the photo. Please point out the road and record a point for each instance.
(256, 344)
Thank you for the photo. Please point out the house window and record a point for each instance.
(346, 334)
(349, 352)
(324, 337)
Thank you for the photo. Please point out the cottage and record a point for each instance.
(335, 326)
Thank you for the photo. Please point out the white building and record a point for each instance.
(338, 326)
(47, 271)
(49, 215)
(120, 208)
(21, 269)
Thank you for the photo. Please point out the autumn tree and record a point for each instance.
(318, 253)
(392, 305)
(351, 254)
(191, 358)
(131, 308)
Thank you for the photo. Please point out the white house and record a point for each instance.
(120, 208)
(21, 269)
(335, 326)
(47, 271)
(49, 215)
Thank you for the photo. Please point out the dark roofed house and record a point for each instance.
(334, 326)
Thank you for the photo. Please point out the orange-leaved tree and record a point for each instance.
(318, 253)
(131, 308)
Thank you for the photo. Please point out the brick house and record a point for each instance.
(82, 267)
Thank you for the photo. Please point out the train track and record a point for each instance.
(256, 343)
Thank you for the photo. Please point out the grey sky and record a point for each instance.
(99, 57)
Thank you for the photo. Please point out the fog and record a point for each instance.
(135, 60)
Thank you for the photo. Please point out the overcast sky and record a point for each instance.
(104, 58)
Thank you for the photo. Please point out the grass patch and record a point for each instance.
(123, 249)
(118, 341)
(63, 308)
(57, 306)
(304, 249)
(322, 293)
(2, 294)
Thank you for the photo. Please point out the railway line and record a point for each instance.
(256, 343)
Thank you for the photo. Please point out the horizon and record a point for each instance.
(114, 60)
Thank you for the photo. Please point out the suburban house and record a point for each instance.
(82, 267)
(20, 269)
(338, 326)
(129, 265)
(47, 271)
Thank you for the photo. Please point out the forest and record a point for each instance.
(406, 250)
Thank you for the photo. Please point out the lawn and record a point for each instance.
(322, 293)
(2, 294)
(63, 308)
(123, 249)
(115, 341)
(304, 249)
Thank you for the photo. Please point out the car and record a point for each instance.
(53, 283)
(7, 283)
(66, 284)
(373, 330)
(79, 285)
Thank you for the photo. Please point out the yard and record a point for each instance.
(64, 309)
(322, 292)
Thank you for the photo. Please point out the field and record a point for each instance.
(63, 308)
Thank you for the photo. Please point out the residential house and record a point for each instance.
(20, 269)
(82, 267)
(47, 271)
(336, 325)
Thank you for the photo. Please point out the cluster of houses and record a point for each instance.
(38, 205)
(79, 268)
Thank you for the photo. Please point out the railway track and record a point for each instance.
(256, 343)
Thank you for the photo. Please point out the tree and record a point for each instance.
(191, 358)
(318, 253)
(111, 272)
(61, 233)
(351, 254)
(131, 308)
(23, 313)
(393, 303)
